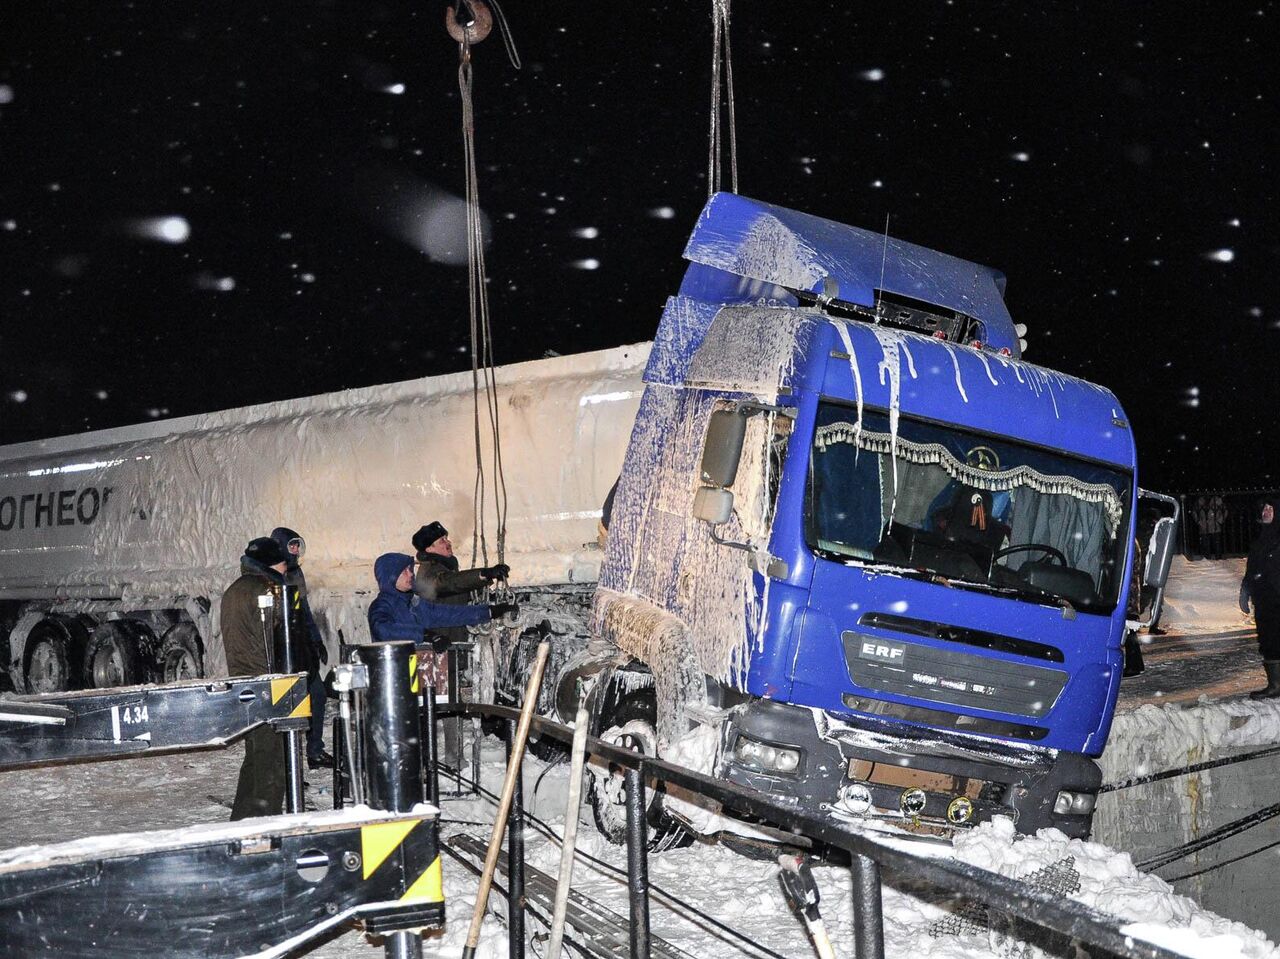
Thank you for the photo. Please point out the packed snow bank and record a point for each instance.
(1202, 596)
(1111, 884)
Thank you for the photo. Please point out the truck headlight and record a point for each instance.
(764, 757)
(1071, 803)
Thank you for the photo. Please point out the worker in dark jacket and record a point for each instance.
(253, 638)
(295, 547)
(1261, 584)
(439, 580)
(396, 614)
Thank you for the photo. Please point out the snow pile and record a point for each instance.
(1202, 596)
(1111, 884)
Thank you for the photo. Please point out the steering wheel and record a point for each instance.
(1024, 547)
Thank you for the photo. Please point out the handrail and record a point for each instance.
(1040, 907)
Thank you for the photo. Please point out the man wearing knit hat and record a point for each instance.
(439, 580)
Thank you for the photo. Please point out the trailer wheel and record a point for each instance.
(631, 726)
(180, 654)
(113, 658)
(48, 663)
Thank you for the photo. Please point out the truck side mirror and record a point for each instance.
(1160, 552)
(722, 449)
(712, 505)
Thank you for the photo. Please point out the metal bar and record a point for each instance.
(1189, 769)
(637, 864)
(452, 686)
(515, 855)
(292, 737)
(103, 724)
(868, 933)
(394, 750)
(339, 757)
(210, 890)
(429, 743)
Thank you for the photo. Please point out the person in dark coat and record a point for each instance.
(295, 547)
(397, 614)
(1261, 584)
(254, 642)
(439, 580)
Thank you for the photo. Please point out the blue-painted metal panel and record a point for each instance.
(738, 238)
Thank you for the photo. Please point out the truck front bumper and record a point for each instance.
(865, 768)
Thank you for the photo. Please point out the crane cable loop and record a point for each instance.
(482, 360)
(721, 54)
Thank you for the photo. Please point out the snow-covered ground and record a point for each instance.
(56, 804)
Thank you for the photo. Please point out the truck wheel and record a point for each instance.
(631, 726)
(48, 666)
(112, 658)
(180, 655)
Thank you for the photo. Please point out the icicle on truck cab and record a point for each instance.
(885, 559)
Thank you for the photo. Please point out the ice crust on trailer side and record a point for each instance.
(355, 472)
(671, 596)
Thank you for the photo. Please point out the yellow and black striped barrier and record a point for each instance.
(260, 887)
(102, 724)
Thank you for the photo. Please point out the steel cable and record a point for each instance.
(674, 903)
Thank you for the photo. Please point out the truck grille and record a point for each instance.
(952, 677)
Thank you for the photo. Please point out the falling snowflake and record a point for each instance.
(587, 232)
(591, 263)
(1021, 156)
(18, 396)
(662, 212)
(875, 74)
(1225, 255)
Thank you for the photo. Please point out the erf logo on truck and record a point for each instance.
(66, 507)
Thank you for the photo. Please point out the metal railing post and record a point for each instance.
(637, 864)
(292, 738)
(515, 858)
(867, 908)
(429, 743)
(393, 749)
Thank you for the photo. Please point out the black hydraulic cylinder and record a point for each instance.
(429, 730)
(637, 864)
(515, 858)
(867, 908)
(393, 749)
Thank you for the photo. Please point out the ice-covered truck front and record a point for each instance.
(882, 556)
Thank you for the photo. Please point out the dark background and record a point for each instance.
(1099, 154)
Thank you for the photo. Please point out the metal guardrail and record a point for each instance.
(867, 856)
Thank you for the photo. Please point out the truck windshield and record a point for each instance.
(977, 511)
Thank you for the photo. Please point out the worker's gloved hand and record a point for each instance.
(322, 654)
(1244, 599)
(501, 571)
(498, 610)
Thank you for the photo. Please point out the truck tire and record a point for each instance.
(113, 657)
(630, 724)
(181, 656)
(48, 660)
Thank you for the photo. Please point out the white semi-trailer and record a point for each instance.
(115, 545)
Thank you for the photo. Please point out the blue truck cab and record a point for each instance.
(883, 557)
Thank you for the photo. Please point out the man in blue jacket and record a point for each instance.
(397, 614)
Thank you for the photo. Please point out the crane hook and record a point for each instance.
(469, 22)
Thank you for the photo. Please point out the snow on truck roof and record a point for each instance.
(798, 251)
(622, 360)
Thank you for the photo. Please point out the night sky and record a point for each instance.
(206, 206)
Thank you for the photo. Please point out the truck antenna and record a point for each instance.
(884, 253)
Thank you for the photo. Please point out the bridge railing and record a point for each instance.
(867, 857)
